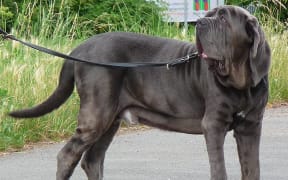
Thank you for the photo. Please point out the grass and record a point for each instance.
(278, 72)
(27, 77)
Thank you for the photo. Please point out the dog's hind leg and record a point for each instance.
(93, 160)
(92, 124)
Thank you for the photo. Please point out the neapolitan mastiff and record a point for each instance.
(226, 88)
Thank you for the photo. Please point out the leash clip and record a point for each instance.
(184, 59)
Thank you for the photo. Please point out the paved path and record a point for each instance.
(158, 155)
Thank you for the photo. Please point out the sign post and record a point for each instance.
(189, 10)
(186, 16)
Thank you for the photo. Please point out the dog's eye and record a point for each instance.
(221, 12)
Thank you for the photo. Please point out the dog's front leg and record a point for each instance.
(214, 131)
(247, 136)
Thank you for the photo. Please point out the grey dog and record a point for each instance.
(226, 88)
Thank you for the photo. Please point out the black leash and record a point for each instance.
(168, 65)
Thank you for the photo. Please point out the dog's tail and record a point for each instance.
(57, 98)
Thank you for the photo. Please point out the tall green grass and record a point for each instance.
(278, 73)
(27, 77)
(49, 23)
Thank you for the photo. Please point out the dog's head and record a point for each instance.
(230, 39)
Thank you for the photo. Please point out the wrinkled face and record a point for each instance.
(223, 39)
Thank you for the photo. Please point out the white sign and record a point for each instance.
(195, 9)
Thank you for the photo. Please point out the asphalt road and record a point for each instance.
(159, 155)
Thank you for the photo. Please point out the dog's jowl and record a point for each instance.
(226, 88)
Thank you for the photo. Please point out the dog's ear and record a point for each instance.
(252, 28)
(211, 13)
(259, 56)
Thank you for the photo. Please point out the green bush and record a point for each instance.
(84, 17)
(6, 17)
(99, 16)
(275, 9)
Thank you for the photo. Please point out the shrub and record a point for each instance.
(6, 17)
(275, 9)
(84, 17)
(122, 15)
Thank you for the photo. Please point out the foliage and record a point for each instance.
(102, 16)
(6, 17)
(82, 18)
(89, 16)
(275, 9)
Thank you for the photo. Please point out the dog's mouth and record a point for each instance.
(215, 64)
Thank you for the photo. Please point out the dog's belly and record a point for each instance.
(135, 115)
